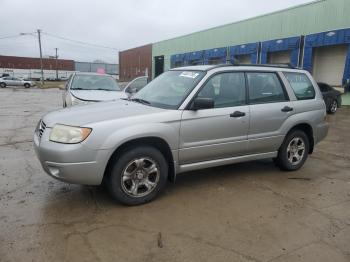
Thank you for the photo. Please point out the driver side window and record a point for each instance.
(137, 84)
(226, 89)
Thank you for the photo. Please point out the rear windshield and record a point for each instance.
(301, 85)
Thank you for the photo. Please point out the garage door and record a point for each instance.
(329, 63)
(282, 57)
(244, 59)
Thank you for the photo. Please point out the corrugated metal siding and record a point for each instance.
(135, 62)
(310, 18)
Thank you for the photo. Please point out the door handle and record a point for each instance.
(237, 114)
(287, 109)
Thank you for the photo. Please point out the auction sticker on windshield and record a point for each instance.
(189, 74)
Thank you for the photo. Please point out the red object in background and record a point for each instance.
(133, 63)
(16, 62)
(101, 70)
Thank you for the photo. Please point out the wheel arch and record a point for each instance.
(153, 141)
(308, 130)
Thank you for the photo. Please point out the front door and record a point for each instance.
(220, 132)
(269, 108)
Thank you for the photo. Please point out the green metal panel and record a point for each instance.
(314, 17)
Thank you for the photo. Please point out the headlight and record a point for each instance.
(69, 134)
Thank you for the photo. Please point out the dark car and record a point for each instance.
(331, 97)
(4, 75)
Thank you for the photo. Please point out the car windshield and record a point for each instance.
(95, 82)
(169, 89)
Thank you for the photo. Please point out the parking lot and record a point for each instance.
(243, 212)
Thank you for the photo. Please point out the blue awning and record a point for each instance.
(329, 38)
(215, 53)
(251, 49)
(285, 44)
(193, 56)
(177, 59)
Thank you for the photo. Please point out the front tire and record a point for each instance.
(2, 85)
(26, 85)
(137, 176)
(294, 151)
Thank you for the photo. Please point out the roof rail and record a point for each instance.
(282, 65)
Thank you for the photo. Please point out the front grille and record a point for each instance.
(41, 129)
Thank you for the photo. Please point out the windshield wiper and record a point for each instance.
(141, 101)
(78, 88)
(104, 89)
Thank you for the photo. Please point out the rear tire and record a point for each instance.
(137, 176)
(294, 151)
(333, 107)
(26, 85)
(2, 85)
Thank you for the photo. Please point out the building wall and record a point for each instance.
(16, 62)
(135, 62)
(314, 17)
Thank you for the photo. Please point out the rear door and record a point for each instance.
(269, 109)
(17, 81)
(219, 132)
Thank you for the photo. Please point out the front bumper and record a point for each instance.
(74, 163)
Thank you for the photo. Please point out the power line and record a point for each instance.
(79, 42)
(10, 36)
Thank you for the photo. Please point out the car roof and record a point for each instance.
(271, 67)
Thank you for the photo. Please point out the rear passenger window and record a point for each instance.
(265, 88)
(301, 85)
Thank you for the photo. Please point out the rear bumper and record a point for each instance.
(74, 164)
(321, 132)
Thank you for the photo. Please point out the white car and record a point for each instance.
(84, 88)
(15, 81)
(136, 85)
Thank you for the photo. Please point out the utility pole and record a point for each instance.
(56, 64)
(41, 57)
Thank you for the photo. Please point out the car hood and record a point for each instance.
(98, 95)
(98, 112)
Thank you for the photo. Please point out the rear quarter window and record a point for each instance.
(301, 85)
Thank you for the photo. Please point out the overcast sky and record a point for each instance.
(120, 24)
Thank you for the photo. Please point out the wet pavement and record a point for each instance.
(244, 212)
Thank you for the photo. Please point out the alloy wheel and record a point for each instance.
(296, 150)
(140, 177)
(334, 106)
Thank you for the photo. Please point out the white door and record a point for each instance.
(329, 63)
(282, 57)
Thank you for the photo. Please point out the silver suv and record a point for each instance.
(186, 119)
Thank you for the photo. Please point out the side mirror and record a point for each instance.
(202, 103)
(131, 90)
